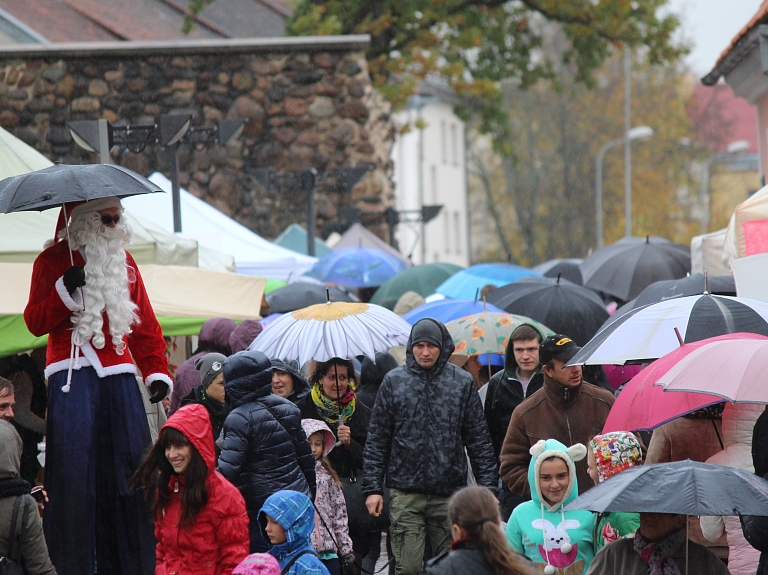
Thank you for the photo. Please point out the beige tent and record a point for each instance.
(174, 291)
(747, 232)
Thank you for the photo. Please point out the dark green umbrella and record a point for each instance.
(422, 279)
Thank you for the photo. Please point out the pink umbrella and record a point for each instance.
(730, 369)
(644, 406)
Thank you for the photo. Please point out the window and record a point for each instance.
(444, 141)
(454, 145)
(446, 222)
(457, 231)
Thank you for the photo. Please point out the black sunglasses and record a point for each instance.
(106, 220)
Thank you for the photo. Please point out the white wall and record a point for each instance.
(439, 148)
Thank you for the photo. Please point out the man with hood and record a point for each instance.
(213, 338)
(264, 448)
(567, 409)
(287, 520)
(507, 389)
(541, 529)
(426, 413)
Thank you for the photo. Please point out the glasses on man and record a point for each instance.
(107, 220)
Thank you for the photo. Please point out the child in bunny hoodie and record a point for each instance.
(540, 528)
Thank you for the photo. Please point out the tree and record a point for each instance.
(475, 44)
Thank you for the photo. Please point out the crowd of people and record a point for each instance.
(263, 467)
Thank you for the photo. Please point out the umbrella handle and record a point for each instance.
(69, 248)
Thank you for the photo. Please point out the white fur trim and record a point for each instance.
(161, 377)
(102, 371)
(63, 365)
(577, 452)
(571, 474)
(537, 448)
(96, 205)
(69, 300)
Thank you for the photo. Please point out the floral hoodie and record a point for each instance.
(329, 500)
(547, 533)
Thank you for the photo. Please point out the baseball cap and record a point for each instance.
(557, 346)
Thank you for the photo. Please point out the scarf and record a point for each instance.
(14, 486)
(658, 555)
(329, 408)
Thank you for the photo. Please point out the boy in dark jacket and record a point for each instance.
(426, 413)
(264, 448)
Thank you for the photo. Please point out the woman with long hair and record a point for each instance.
(201, 525)
(479, 546)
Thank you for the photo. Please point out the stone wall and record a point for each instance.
(308, 101)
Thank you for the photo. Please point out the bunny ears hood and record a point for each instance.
(543, 450)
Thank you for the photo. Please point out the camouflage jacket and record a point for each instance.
(421, 422)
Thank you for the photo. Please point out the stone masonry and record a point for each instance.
(308, 101)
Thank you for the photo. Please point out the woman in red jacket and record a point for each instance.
(201, 524)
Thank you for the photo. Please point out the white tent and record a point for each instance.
(707, 254)
(747, 232)
(202, 222)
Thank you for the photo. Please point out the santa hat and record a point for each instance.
(73, 209)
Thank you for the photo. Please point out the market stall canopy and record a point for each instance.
(708, 254)
(357, 236)
(294, 238)
(747, 232)
(183, 298)
(749, 274)
(211, 228)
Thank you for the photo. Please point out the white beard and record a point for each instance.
(107, 279)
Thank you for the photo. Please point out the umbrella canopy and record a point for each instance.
(691, 285)
(627, 267)
(298, 295)
(422, 279)
(643, 405)
(565, 307)
(567, 268)
(733, 369)
(466, 283)
(648, 332)
(329, 330)
(488, 332)
(684, 487)
(446, 310)
(356, 267)
(63, 183)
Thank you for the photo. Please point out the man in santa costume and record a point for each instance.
(88, 296)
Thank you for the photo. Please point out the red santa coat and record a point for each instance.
(50, 307)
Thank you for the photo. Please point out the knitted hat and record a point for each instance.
(258, 564)
(209, 366)
(426, 330)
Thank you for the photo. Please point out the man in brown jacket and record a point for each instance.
(567, 408)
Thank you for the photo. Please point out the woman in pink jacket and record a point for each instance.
(331, 535)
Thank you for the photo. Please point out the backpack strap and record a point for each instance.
(292, 561)
(12, 532)
(23, 529)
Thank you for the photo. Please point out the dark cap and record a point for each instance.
(557, 346)
(209, 366)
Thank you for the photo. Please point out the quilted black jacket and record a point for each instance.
(421, 422)
(258, 454)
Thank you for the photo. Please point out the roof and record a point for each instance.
(105, 20)
(740, 46)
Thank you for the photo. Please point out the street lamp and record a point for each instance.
(733, 148)
(636, 133)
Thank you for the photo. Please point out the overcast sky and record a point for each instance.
(711, 24)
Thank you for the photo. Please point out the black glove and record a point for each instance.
(74, 278)
(158, 389)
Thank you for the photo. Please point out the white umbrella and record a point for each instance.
(648, 332)
(335, 329)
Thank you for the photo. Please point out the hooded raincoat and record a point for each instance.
(421, 423)
(294, 512)
(301, 386)
(547, 533)
(218, 539)
(264, 448)
(329, 500)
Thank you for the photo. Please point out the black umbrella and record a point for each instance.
(302, 294)
(566, 268)
(684, 487)
(562, 306)
(691, 285)
(626, 268)
(62, 183)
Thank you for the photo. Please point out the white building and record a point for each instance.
(430, 169)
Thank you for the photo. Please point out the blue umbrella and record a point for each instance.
(356, 267)
(447, 310)
(464, 284)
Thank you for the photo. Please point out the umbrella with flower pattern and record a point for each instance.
(488, 332)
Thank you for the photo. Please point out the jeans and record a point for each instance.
(413, 516)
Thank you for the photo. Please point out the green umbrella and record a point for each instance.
(422, 279)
